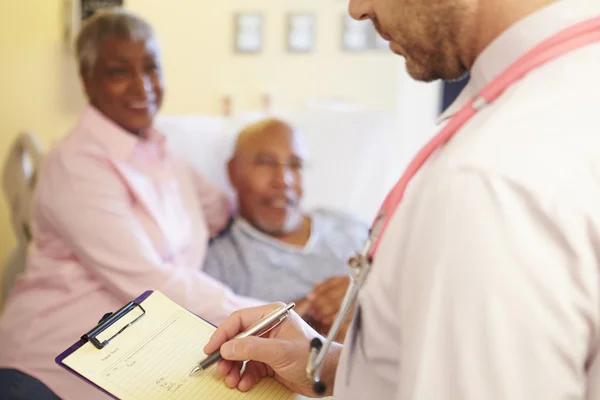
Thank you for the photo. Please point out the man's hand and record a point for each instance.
(302, 307)
(326, 299)
(303, 310)
(283, 353)
(341, 335)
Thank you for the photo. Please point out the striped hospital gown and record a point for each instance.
(256, 265)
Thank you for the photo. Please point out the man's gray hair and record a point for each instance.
(103, 24)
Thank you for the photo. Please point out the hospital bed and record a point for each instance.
(353, 155)
(18, 181)
(353, 161)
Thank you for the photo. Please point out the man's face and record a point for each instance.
(126, 83)
(425, 32)
(267, 174)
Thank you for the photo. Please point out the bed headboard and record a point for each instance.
(353, 155)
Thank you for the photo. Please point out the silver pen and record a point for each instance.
(260, 328)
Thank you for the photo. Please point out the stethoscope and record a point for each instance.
(360, 266)
(572, 38)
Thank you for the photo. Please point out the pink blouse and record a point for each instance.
(114, 215)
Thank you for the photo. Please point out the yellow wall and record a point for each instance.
(38, 90)
(41, 91)
(200, 65)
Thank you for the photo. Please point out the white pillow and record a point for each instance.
(352, 154)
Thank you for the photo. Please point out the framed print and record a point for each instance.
(76, 11)
(89, 7)
(361, 36)
(379, 43)
(248, 32)
(301, 32)
(356, 35)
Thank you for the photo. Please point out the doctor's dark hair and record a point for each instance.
(103, 24)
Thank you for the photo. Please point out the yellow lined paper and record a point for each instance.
(152, 358)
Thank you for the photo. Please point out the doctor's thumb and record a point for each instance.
(264, 350)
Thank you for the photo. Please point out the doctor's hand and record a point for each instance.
(282, 353)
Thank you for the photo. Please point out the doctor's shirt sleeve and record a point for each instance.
(498, 301)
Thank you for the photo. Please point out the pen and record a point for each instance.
(258, 329)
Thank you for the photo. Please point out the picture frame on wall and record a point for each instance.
(248, 32)
(301, 32)
(89, 7)
(356, 35)
(379, 43)
(76, 11)
(361, 36)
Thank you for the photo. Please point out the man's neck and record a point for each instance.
(491, 20)
(298, 237)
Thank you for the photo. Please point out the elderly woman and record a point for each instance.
(115, 214)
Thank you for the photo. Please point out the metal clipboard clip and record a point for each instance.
(110, 319)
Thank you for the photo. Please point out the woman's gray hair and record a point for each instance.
(103, 24)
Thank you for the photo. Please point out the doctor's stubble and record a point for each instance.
(440, 39)
(425, 33)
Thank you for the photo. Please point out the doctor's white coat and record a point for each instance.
(487, 282)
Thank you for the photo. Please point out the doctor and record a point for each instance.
(485, 281)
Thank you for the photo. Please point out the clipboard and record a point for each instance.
(146, 349)
(103, 324)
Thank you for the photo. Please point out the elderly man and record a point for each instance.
(274, 250)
